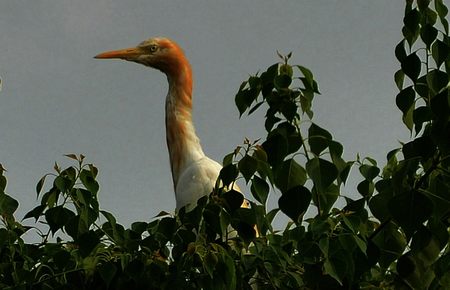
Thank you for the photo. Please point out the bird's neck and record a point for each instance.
(182, 141)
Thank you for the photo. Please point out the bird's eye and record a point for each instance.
(153, 48)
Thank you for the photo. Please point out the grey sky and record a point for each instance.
(57, 99)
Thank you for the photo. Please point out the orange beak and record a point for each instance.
(127, 53)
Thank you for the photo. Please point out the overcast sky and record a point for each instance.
(57, 99)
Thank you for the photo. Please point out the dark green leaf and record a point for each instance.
(442, 11)
(36, 212)
(276, 147)
(234, 199)
(428, 34)
(62, 183)
(406, 265)
(440, 104)
(369, 171)
(318, 138)
(410, 210)
(290, 174)
(89, 181)
(228, 174)
(437, 80)
(391, 244)
(107, 271)
(422, 88)
(399, 78)
(260, 189)
(420, 147)
(57, 217)
(411, 29)
(282, 81)
(325, 198)
(405, 99)
(365, 188)
(400, 51)
(440, 52)
(247, 166)
(245, 97)
(378, 206)
(322, 172)
(87, 242)
(295, 202)
(411, 66)
(421, 115)
(8, 205)
(40, 184)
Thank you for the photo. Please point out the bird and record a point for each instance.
(194, 174)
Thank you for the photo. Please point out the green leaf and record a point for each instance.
(247, 166)
(308, 77)
(245, 97)
(36, 212)
(259, 189)
(322, 172)
(40, 184)
(325, 198)
(399, 78)
(365, 188)
(8, 205)
(57, 217)
(437, 80)
(295, 202)
(400, 51)
(442, 11)
(290, 174)
(107, 271)
(428, 34)
(378, 206)
(330, 269)
(369, 171)
(411, 28)
(440, 104)
(62, 183)
(410, 210)
(228, 174)
(318, 139)
(89, 181)
(87, 242)
(276, 147)
(282, 81)
(440, 52)
(421, 115)
(420, 147)
(234, 199)
(391, 244)
(405, 99)
(411, 66)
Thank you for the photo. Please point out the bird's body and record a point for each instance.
(194, 174)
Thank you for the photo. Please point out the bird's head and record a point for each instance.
(160, 53)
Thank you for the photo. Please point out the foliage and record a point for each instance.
(394, 236)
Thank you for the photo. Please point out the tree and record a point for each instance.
(394, 236)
